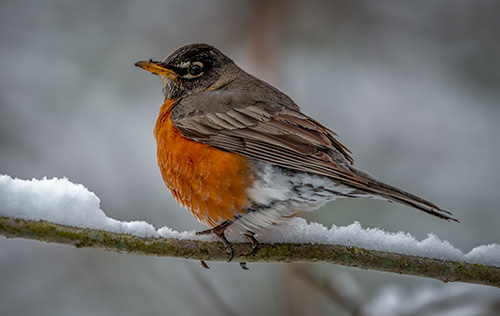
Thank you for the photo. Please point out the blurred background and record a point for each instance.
(412, 88)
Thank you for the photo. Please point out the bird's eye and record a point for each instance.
(195, 70)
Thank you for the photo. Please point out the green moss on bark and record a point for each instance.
(446, 271)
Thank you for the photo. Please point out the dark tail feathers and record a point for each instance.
(375, 187)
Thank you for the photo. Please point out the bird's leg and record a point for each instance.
(255, 244)
(219, 232)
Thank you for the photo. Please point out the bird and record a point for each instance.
(241, 156)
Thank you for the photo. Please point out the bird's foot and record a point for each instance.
(219, 232)
(255, 244)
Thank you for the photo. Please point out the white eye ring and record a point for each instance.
(194, 70)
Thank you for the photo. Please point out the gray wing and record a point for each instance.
(277, 132)
(272, 129)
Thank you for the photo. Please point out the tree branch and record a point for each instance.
(447, 271)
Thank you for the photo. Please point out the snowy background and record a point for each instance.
(412, 89)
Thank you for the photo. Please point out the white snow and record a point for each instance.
(299, 231)
(63, 202)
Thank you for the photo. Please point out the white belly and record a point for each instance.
(278, 194)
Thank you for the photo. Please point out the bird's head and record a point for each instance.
(191, 69)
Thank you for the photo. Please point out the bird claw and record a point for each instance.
(204, 264)
(243, 265)
(255, 245)
(219, 232)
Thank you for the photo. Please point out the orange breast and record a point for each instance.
(209, 182)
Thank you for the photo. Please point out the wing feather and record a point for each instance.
(275, 131)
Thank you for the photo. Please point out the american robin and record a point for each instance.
(240, 155)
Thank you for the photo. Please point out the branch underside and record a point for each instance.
(447, 271)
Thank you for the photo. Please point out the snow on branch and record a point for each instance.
(56, 210)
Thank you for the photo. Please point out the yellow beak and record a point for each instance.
(156, 68)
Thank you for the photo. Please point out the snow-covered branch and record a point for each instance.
(57, 210)
(447, 271)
